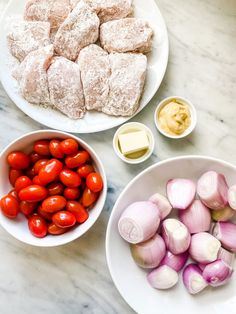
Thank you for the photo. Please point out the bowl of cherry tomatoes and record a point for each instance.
(52, 188)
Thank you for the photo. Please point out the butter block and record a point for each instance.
(133, 142)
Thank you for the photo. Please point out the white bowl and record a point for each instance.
(134, 126)
(129, 279)
(193, 113)
(18, 228)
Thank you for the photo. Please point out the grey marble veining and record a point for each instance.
(202, 67)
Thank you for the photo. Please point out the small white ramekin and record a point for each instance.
(134, 126)
(193, 113)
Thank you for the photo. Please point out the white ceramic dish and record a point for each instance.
(93, 121)
(129, 279)
(134, 126)
(193, 113)
(18, 228)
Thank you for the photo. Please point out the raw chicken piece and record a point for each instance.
(128, 72)
(80, 29)
(32, 75)
(126, 35)
(28, 36)
(108, 10)
(53, 11)
(95, 72)
(66, 91)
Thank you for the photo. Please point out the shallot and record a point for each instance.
(213, 190)
(217, 273)
(197, 217)
(232, 196)
(193, 279)
(181, 193)
(176, 262)
(225, 232)
(163, 277)
(139, 222)
(150, 253)
(204, 248)
(162, 204)
(176, 236)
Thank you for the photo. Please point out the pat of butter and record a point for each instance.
(133, 142)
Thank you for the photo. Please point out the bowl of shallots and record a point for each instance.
(171, 237)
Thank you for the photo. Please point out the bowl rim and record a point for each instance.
(145, 156)
(103, 196)
(109, 225)
(193, 112)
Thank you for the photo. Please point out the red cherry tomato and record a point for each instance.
(55, 188)
(55, 149)
(55, 230)
(71, 193)
(50, 171)
(64, 219)
(14, 194)
(37, 226)
(27, 208)
(70, 178)
(85, 170)
(53, 204)
(42, 147)
(47, 216)
(34, 157)
(69, 146)
(9, 206)
(22, 182)
(30, 172)
(13, 175)
(39, 164)
(18, 160)
(94, 182)
(81, 214)
(89, 197)
(33, 193)
(36, 180)
(77, 159)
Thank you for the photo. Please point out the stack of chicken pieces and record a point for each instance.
(62, 64)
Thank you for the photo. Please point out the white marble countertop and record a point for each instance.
(202, 67)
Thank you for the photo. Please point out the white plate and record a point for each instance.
(93, 121)
(130, 280)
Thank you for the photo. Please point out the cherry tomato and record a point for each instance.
(18, 160)
(89, 197)
(13, 175)
(53, 204)
(39, 164)
(70, 178)
(42, 147)
(85, 170)
(36, 180)
(14, 194)
(27, 208)
(37, 226)
(30, 172)
(50, 171)
(22, 182)
(33, 193)
(69, 146)
(64, 219)
(81, 214)
(55, 149)
(71, 193)
(9, 206)
(94, 182)
(47, 216)
(77, 159)
(34, 157)
(55, 188)
(55, 230)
